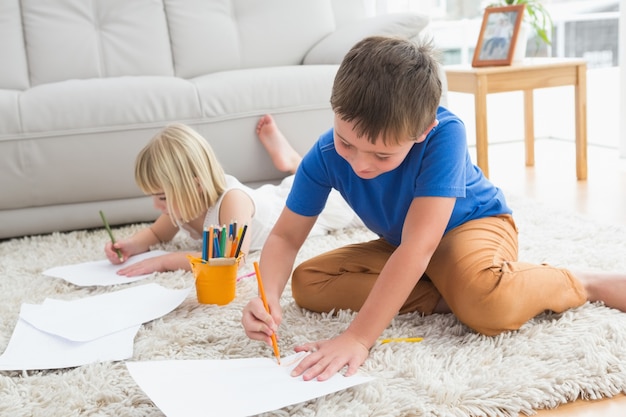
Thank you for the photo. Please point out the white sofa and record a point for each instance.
(85, 84)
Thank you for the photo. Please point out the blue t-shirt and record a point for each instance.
(440, 166)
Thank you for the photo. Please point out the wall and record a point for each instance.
(622, 79)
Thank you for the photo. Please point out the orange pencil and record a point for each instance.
(233, 248)
(210, 242)
(262, 293)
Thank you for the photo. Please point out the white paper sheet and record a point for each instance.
(237, 387)
(90, 318)
(61, 334)
(99, 272)
(30, 348)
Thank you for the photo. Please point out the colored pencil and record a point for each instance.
(205, 244)
(223, 237)
(243, 234)
(210, 250)
(402, 339)
(216, 246)
(233, 248)
(262, 293)
(106, 226)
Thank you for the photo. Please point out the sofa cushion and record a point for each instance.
(243, 33)
(9, 112)
(266, 29)
(198, 47)
(346, 11)
(13, 70)
(103, 103)
(72, 168)
(233, 94)
(333, 47)
(68, 39)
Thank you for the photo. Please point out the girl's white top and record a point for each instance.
(269, 201)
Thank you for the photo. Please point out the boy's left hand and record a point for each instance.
(329, 356)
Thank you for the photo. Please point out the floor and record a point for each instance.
(552, 181)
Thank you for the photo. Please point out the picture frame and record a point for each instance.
(498, 35)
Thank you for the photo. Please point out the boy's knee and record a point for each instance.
(303, 287)
(491, 320)
(494, 329)
(297, 283)
(303, 274)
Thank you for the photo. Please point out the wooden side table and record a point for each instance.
(526, 76)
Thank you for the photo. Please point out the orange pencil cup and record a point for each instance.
(216, 279)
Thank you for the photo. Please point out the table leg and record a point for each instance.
(529, 127)
(581, 122)
(482, 143)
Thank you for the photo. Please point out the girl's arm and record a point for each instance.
(162, 230)
(172, 261)
(238, 206)
(423, 229)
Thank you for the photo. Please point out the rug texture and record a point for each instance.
(551, 360)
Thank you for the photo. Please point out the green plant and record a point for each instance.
(536, 15)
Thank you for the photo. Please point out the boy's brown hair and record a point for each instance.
(388, 87)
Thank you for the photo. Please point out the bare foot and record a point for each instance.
(284, 156)
(607, 287)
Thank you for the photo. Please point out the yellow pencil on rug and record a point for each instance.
(402, 339)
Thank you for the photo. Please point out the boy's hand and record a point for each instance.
(258, 323)
(329, 356)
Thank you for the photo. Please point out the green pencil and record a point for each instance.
(106, 225)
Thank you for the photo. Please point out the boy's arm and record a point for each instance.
(423, 228)
(280, 250)
(422, 232)
(276, 263)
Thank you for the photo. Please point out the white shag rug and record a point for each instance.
(552, 360)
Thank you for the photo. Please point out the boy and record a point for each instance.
(448, 242)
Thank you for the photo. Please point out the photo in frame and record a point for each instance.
(498, 35)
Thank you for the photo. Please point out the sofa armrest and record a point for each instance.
(332, 48)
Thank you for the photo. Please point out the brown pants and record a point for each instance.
(474, 269)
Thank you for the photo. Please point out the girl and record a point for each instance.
(179, 169)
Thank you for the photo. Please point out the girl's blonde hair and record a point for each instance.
(181, 164)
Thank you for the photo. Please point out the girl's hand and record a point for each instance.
(147, 266)
(110, 251)
(128, 247)
(329, 356)
(258, 323)
(163, 263)
(140, 242)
